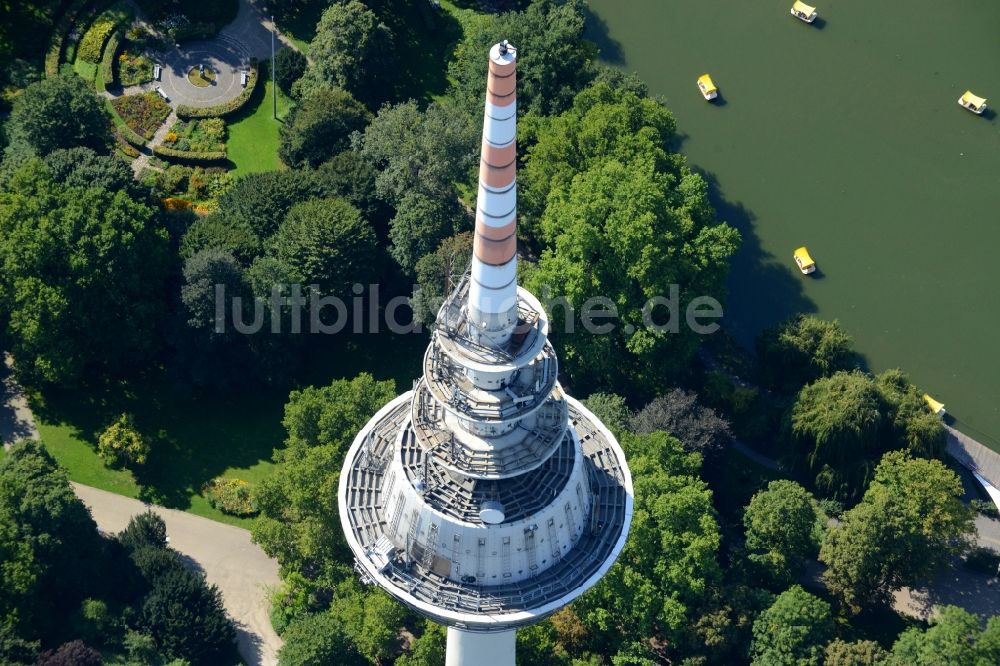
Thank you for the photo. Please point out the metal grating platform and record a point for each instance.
(607, 480)
(447, 451)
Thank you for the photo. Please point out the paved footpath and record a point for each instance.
(225, 553)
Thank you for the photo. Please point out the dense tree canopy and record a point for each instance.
(613, 411)
(326, 243)
(352, 50)
(58, 112)
(840, 426)
(299, 522)
(619, 218)
(50, 551)
(793, 631)
(82, 280)
(420, 156)
(668, 564)
(784, 527)
(554, 60)
(857, 653)
(320, 126)
(909, 522)
(317, 640)
(370, 620)
(801, 350)
(678, 413)
(954, 637)
(289, 67)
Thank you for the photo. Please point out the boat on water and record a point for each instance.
(804, 261)
(934, 405)
(972, 102)
(708, 89)
(803, 12)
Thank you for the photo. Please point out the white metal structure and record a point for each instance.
(486, 498)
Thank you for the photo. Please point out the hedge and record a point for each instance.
(108, 62)
(230, 107)
(190, 156)
(92, 43)
(59, 34)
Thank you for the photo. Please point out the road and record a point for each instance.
(224, 553)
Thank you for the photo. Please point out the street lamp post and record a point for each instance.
(274, 86)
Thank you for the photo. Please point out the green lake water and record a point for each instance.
(846, 136)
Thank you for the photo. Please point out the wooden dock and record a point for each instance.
(977, 458)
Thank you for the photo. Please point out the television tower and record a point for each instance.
(486, 498)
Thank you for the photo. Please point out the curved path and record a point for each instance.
(226, 555)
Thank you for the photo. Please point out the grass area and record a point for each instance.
(196, 438)
(86, 70)
(253, 134)
(200, 79)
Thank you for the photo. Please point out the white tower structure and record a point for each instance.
(486, 498)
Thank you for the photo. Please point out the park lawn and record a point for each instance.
(253, 136)
(86, 70)
(194, 439)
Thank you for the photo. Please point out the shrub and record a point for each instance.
(75, 653)
(232, 106)
(122, 445)
(985, 507)
(232, 496)
(92, 44)
(289, 67)
(204, 135)
(144, 530)
(190, 157)
(143, 113)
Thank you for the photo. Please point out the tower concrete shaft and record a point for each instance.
(486, 498)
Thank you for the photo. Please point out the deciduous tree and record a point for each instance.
(801, 350)
(320, 126)
(955, 636)
(678, 413)
(59, 112)
(784, 527)
(793, 631)
(909, 522)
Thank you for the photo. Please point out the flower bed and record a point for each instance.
(134, 68)
(232, 496)
(204, 135)
(222, 110)
(143, 113)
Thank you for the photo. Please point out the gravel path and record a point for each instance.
(224, 553)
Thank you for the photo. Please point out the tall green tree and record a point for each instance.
(801, 350)
(73, 260)
(841, 425)
(668, 566)
(858, 653)
(784, 527)
(620, 218)
(370, 620)
(793, 631)
(955, 636)
(50, 551)
(289, 67)
(352, 50)
(299, 523)
(421, 155)
(58, 112)
(186, 617)
(327, 243)
(317, 640)
(909, 522)
(554, 60)
(320, 126)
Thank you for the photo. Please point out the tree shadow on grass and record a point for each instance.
(196, 436)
